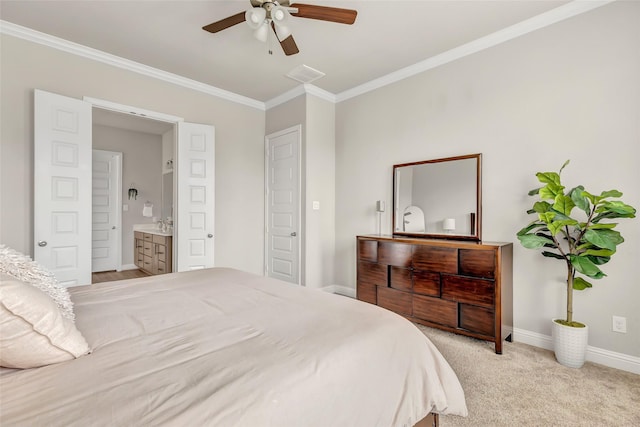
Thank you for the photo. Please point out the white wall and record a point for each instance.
(239, 141)
(568, 91)
(141, 165)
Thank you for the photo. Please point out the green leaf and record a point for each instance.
(593, 199)
(586, 267)
(606, 239)
(531, 241)
(580, 284)
(564, 204)
(547, 217)
(533, 192)
(556, 226)
(530, 227)
(600, 226)
(599, 260)
(550, 191)
(548, 178)
(552, 255)
(579, 199)
(598, 252)
(610, 193)
(541, 207)
(617, 207)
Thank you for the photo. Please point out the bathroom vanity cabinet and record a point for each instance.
(458, 286)
(152, 252)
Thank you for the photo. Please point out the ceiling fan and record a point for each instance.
(276, 14)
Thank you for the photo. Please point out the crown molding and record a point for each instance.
(28, 34)
(302, 89)
(553, 16)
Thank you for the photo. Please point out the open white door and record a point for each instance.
(195, 196)
(62, 187)
(106, 206)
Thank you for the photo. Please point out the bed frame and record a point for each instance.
(430, 420)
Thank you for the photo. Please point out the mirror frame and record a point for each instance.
(474, 236)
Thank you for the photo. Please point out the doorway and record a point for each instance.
(282, 205)
(63, 186)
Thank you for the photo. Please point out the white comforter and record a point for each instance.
(220, 347)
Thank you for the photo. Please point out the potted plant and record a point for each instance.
(574, 226)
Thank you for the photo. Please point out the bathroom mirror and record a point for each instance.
(167, 195)
(438, 198)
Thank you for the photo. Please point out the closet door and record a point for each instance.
(195, 196)
(62, 187)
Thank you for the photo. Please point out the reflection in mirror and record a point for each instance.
(438, 198)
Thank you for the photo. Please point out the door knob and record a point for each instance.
(209, 235)
(294, 234)
(42, 243)
(113, 228)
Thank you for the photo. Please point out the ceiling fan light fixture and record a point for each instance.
(262, 32)
(280, 15)
(255, 17)
(282, 31)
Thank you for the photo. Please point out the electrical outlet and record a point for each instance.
(619, 324)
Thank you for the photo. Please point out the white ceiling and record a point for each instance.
(167, 35)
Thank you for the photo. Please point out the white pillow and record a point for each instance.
(34, 331)
(23, 268)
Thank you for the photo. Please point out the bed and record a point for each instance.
(221, 347)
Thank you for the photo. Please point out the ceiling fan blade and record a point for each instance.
(289, 45)
(325, 13)
(225, 23)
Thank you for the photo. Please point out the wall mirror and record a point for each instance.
(438, 198)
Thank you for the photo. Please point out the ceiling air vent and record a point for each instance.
(305, 74)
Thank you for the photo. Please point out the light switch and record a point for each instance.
(125, 208)
(316, 205)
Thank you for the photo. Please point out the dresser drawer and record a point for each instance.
(436, 259)
(435, 310)
(368, 250)
(477, 263)
(468, 289)
(426, 283)
(138, 235)
(398, 254)
(477, 319)
(394, 300)
(372, 273)
(367, 292)
(400, 278)
(147, 236)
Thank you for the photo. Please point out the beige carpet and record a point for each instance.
(525, 386)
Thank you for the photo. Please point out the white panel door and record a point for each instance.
(62, 187)
(195, 196)
(105, 196)
(283, 205)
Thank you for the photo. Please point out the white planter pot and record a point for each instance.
(570, 344)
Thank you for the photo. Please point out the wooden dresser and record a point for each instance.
(152, 252)
(459, 286)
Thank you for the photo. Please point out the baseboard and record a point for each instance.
(129, 267)
(601, 356)
(342, 290)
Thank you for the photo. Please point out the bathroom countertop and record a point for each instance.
(152, 229)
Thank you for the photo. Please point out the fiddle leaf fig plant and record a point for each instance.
(574, 226)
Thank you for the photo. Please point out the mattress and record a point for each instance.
(222, 347)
